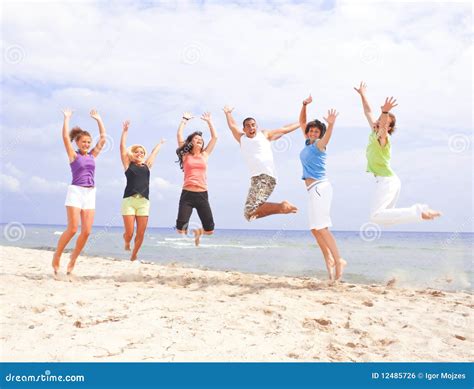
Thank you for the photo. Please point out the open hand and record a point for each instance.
(188, 115)
(331, 117)
(362, 88)
(95, 115)
(308, 100)
(206, 116)
(228, 109)
(67, 112)
(389, 104)
(125, 125)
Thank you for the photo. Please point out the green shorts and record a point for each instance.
(135, 205)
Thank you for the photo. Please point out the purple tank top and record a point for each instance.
(83, 169)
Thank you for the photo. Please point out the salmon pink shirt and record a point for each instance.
(195, 171)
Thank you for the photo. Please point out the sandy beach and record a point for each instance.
(118, 311)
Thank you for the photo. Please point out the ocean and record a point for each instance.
(440, 260)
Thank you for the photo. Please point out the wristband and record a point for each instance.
(385, 112)
(304, 103)
(185, 118)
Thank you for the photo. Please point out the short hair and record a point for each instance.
(316, 124)
(248, 119)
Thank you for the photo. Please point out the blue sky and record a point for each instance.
(149, 62)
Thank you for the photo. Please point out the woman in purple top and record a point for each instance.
(80, 198)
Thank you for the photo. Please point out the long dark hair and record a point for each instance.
(187, 147)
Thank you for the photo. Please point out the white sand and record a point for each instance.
(118, 311)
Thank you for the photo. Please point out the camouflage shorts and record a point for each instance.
(261, 187)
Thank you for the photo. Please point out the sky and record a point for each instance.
(150, 61)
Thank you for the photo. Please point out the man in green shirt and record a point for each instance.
(388, 185)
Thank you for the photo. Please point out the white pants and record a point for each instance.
(319, 205)
(383, 209)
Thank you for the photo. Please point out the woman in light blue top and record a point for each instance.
(313, 159)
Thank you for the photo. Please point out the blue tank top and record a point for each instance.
(313, 161)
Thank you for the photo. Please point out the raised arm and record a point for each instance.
(123, 145)
(330, 120)
(382, 131)
(362, 90)
(279, 132)
(102, 136)
(303, 121)
(206, 116)
(67, 112)
(232, 123)
(149, 161)
(184, 120)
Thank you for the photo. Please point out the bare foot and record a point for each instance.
(288, 207)
(430, 214)
(71, 264)
(197, 236)
(340, 268)
(71, 277)
(330, 267)
(55, 263)
(133, 257)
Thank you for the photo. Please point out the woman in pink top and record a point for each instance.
(80, 198)
(193, 157)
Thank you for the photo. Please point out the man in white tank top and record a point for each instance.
(257, 152)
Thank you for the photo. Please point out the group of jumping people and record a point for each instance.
(255, 146)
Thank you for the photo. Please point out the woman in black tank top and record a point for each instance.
(136, 203)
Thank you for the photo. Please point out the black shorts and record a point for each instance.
(198, 200)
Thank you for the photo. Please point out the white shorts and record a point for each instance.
(80, 197)
(319, 209)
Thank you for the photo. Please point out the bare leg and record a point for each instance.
(331, 243)
(142, 222)
(129, 224)
(267, 209)
(326, 253)
(87, 218)
(73, 215)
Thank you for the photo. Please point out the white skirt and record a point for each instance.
(80, 197)
(319, 209)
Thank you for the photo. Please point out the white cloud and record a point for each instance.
(40, 185)
(9, 183)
